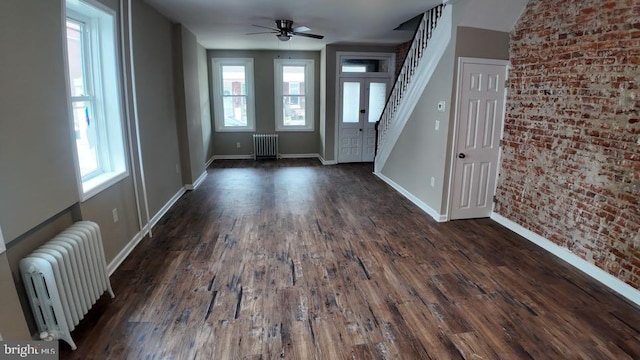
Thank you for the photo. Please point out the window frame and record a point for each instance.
(309, 94)
(217, 65)
(102, 73)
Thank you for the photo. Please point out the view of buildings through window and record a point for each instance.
(234, 95)
(82, 100)
(293, 95)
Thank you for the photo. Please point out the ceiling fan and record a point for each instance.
(285, 31)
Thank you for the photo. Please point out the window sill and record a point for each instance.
(99, 183)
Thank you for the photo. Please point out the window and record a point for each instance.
(94, 95)
(233, 94)
(294, 95)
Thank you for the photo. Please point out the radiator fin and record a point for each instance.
(64, 278)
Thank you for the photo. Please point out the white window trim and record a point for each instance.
(93, 186)
(309, 85)
(216, 72)
(3, 248)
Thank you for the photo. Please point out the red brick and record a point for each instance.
(571, 130)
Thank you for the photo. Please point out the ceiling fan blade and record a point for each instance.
(301, 28)
(262, 32)
(265, 27)
(314, 36)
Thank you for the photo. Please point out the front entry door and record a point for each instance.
(361, 103)
(480, 121)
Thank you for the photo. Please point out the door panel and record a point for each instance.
(350, 133)
(478, 139)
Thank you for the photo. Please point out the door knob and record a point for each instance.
(462, 156)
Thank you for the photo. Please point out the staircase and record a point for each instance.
(429, 44)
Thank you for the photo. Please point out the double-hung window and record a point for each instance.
(233, 94)
(294, 94)
(94, 95)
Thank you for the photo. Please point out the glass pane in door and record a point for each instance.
(351, 102)
(377, 100)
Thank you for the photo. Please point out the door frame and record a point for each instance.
(390, 75)
(456, 124)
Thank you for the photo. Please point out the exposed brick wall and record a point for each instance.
(571, 161)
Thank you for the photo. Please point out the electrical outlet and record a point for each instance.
(238, 145)
(114, 212)
(437, 125)
(433, 181)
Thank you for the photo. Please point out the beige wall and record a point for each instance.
(421, 152)
(12, 322)
(38, 188)
(189, 111)
(205, 107)
(224, 143)
(153, 51)
(37, 171)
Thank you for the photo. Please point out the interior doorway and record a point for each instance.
(363, 84)
(478, 130)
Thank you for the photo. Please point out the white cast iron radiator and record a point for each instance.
(64, 278)
(265, 146)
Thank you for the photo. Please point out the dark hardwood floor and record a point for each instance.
(291, 259)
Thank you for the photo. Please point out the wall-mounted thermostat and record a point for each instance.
(441, 106)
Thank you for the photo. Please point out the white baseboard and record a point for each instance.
(197, 183)
(122, 255)
(574, 260)
(327, 162)
(419, 203)
(167, 206)
(299, 156)
(232, 157)
(208, 163)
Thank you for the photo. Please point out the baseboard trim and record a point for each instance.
(167, 206)
(419, 203)
(572, 259)
(299, 156)
(124, 253)
(232, 157)
(327, 162)
(197, 183)
(208, 163)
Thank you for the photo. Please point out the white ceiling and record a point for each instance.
(223, 24)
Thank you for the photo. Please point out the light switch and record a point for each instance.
(437, 125)
(441, 106)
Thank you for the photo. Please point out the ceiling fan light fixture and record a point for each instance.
(284, 37)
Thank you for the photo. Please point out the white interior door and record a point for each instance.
(361, 103)
(477, 150)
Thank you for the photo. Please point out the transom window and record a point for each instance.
(294, 95)
(233, 94)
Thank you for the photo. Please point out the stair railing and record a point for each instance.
(411, 61)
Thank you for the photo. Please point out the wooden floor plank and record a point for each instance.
(290, 259)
